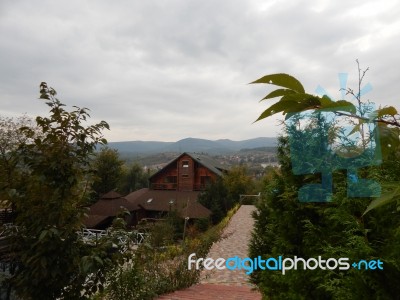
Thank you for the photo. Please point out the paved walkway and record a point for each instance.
(213, 291)
(225, 284)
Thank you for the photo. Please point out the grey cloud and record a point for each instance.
(170, 69)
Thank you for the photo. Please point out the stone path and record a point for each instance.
(213, 291)
(225, 284)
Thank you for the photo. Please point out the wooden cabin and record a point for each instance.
(188, 172)
(175, 187)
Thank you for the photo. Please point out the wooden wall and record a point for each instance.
(185, 174)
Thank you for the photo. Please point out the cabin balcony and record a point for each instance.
(164, 186)
(174, 186)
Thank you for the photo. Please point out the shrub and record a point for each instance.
(155, 271)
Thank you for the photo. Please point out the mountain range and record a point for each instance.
(192, 145)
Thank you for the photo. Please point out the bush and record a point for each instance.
(285, 226)
(155, 271)
(53, 261)
(202, 224)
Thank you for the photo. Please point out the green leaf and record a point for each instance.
(278, 93)
(292, 103)
(300, 107)
(98, 260)
(341, 105)
(303, 98)
(43, 235)
(386, 111)
(283, 80)
(389, 138)
(43, 263)
(326, 101)
(383, 200)
(276, 108)
(355, 129)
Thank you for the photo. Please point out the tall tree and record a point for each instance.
(107, 167)
(344, 227)
(11, 138)
(133, 178)
(221, 195)
(214, 198)
(237, 182)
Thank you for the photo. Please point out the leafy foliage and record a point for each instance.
(213, 198)
(285, 226)
(344, 227)
(155, 271)
(133, 178)
(107, 167)
(111, 173)
(10, 140)
(53, 262)
(293, 99)
(283, 80)
(223, 194)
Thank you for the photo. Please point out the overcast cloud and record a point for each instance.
(166, 70)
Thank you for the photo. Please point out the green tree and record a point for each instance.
(10, 140)
(340, 228)
(53, 262)
(107, 167)
(214, 198)
(294, 99)
(133, 178)
(221, 195)
(237, 182)
(285, 226)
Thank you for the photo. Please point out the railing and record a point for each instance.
(140, 236)
(89, 236)
(7, 265)
(7, 229)
(200, 187)
(164, 186)
(92, 236)
(174, 186)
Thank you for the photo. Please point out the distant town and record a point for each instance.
(256, 154)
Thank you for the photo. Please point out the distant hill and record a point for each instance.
(192, 145)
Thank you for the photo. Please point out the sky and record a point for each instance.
(171, 69)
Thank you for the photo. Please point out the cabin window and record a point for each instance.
(185, 163)
(170, 179)
(205, 180)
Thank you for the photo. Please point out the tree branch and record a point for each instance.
(393, 123)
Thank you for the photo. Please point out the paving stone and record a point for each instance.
(225, 284)
(236, 237)
(213, 291)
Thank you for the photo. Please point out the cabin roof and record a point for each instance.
(184, 202)
(202, 159)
